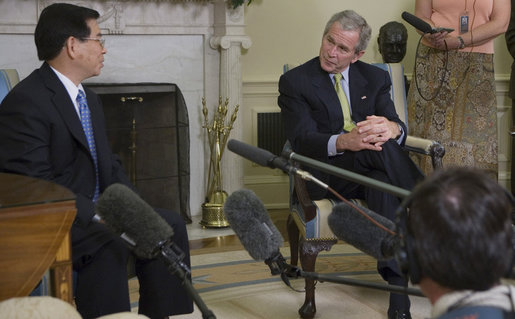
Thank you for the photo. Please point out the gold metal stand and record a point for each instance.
(218, 133)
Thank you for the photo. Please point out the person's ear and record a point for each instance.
(71, 46)
(357, 56)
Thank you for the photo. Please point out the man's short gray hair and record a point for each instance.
(349, 20)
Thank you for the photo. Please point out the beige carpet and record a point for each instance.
(234, 286)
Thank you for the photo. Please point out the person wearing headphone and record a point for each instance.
(458, 241)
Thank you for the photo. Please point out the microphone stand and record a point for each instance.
(347, 175)
(278, 266)
(173, 257)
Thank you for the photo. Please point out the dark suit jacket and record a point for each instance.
(41, 136)
(311, 111)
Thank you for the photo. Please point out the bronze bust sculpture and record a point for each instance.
(392, 42)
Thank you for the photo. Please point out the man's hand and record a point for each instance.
(369, 134)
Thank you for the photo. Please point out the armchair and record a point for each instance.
(307, 227)
(8, 79)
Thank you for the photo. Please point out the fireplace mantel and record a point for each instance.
(195, 44)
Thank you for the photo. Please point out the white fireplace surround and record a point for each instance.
(195, 44)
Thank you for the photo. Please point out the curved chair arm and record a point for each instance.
(427, 147)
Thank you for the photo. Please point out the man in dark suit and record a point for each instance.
(42, 135)
(312, 113)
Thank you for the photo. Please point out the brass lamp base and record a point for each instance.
(213, 216)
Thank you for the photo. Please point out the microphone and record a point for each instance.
(266, 158)
(260, 156)
(134, 220)
(357, 230)
(421, 25)
(148, 234)
(249, 219)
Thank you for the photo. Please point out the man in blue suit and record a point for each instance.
(42, 135)
(368, 141)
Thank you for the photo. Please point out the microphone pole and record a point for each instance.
(360, 283)
(173, 256)
(346, 174)
(278, 266)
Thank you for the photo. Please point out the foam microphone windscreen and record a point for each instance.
(126, 213)
(355, 229)
(249, 219)
(418, 23)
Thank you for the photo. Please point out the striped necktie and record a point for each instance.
(85, 120)
(347, 120)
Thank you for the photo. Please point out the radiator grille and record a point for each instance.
(270, 133)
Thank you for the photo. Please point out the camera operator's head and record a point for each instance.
(460, 221)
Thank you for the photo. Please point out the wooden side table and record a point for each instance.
(35, 221)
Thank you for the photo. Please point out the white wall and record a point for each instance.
(291, 30)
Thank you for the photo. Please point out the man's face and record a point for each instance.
(91, 57)
(337, 50)
(392, 46)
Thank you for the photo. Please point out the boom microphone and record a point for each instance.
(265, 158)
(260, 156)
(249, 219)
(421, 25)
(148, 234)
(354, 228)
(135, 220)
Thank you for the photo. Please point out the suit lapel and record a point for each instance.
(324, 89)
(63, 104)
(357, 87)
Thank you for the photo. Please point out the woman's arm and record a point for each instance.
(424, 10)
(497, 25)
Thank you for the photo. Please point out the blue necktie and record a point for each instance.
(85, 120)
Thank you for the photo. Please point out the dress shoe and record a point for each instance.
(398, 314)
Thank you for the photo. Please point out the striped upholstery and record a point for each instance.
(8, 79)
(317, 228)
(398, 90)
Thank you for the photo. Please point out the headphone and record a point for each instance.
(405, 253)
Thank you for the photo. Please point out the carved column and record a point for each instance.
(229, 38)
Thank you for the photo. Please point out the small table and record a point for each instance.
(35, 221)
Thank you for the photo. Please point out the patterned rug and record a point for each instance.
(233, 285)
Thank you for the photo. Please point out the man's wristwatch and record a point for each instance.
(400, 129)
(462, 43)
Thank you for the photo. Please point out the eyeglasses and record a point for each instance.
(102, 41)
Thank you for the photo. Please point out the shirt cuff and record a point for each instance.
(331, 146)
(401, 137)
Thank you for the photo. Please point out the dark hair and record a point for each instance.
(57, 23)
(349, 20)
(460, 220)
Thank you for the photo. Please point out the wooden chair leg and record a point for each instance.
(293, 238)
(308, 254)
